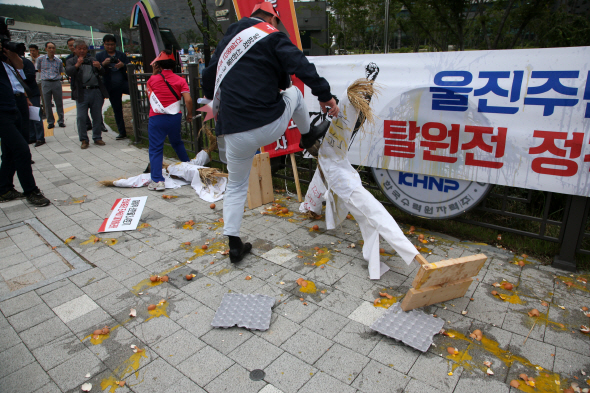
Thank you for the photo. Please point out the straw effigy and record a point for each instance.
(359, 95)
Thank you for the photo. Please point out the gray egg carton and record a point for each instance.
(413, 328)
(247, 311)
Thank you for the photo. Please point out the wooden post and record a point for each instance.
(296, 176)
(260, 190)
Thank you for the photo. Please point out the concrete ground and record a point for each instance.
(53, 296)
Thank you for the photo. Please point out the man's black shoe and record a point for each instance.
(36, 198)
(62, 125)
(50, 125)
(89, 129)
(237, 249)
(39, 143)
(315, 133)
(11, 196)
(121, 137)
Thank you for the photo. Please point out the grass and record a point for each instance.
(542, 250)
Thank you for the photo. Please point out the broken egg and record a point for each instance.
(284, 210)
(301, 282)
(534, 313)
(248, 278)
(487, 363)
(514, 383)
(154, 278)
(524, 377)
(584, 308)
(508, 286)
(97, 332)
(452, 351)
(86, 387)
(521, 263)
(151, 307)
(477, 335)
(584, 329)
(381, 250)
(106, 330)
(315, 227)
(412, 229)
(204, 247)
(212, 206)
(489, 371)
(384, 294)
(164, 278)
(133, 312)
(376, 301)
(494, 293)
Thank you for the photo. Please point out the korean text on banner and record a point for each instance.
(518, 118)
(289, 142)
(125, 215)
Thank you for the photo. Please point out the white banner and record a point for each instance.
(125, 215)
(511, 117)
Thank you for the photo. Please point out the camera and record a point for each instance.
(86, 61)
(114, 60)
(5, 35)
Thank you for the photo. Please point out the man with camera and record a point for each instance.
(115, 79)
(88, 91)
(16, 156)
(51, 68)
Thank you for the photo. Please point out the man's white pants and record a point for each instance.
(239, 150)
(373, 221)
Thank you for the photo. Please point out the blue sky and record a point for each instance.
(32, 3)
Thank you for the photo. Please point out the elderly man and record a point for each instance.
(50, 67)
(252, 110)
(115, 79)
(88, 92)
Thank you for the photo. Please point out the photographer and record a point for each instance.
(36, 133)
(115, 79)
(88, 92)
(16, 156)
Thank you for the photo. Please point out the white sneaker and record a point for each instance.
(159, 186)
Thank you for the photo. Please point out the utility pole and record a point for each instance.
(386, 40)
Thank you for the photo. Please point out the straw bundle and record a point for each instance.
(359, 95)
(210, 137)
(208, 175)
(109, 183)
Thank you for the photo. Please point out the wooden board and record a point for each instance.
(448, 271)
(260, 190)
(439, 293)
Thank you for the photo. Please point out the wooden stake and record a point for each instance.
(296, 176)
(530, 331)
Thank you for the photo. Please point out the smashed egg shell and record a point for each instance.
(524, 377)
(534, 313)
(508, 286)
(381, 250)
(477, 335)
(284, 210)
(376, 301)
(521, 263)
(164, 278)
(154, 278)
(420, 237)
(106, 330)
(212, 206)
(151, 307)
(97, 332)
(189, 277)
(452, 351)
(569, 390)
(584, 308)
(315, 227)
(384, 294)
(204, 247)
(412, 229)
(514, 383)
(494, 293)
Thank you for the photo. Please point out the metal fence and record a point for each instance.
(562, 219)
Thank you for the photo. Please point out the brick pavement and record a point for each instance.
(54, 298)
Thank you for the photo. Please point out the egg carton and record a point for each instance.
(413, 328)
(248, 311)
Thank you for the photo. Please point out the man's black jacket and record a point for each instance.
(76, 75)
(110, 69)
(250, 95)
(30, 75)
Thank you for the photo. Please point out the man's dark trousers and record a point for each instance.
(16, 156)
(23, 108)
(116, 99)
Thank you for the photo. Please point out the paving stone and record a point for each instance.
(234, 380)
(340, 302)
(281, 328)
(570, 363)
(377, 378)
(58, 351)
(31, 317)
(20, 303)
(325, 322)
(255, 353)
(536, 352)
(342, 363)
(102, 287)
(199, 321)
(44, 333)
(62, 294)
(205, 365)
(288, 373)
(483, 385)
(432, 370)
(358, 337)
(366, 314)
(154, 378)
(270, 389)
(295, 310)
(226, 340)
(178, 347)
(415, 386)
(75, 308)
(322, 382)
(14, 358)
(27, 379)
(353, 285)
(278, 255)
(395, 355)
(184, 385)
(155, 329)
(8, 338)
(72, 373)
(486, 308)
(307, 345)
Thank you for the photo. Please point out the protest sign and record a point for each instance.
(125, 215)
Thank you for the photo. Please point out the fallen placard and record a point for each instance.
(125, 215)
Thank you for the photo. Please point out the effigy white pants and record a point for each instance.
(375, 220)
(239, 150)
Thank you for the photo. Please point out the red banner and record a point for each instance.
(289, 142)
